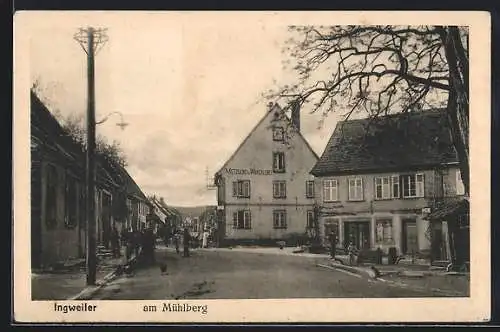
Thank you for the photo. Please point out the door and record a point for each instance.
(438, 244)
(410, 244)
(358, 232)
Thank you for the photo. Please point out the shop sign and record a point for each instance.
(248, 171)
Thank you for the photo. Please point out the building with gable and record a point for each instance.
(379, 179)
(265, 192)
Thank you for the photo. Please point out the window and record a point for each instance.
(395, 186)
(384, 231)
(241, 188)
(330, 191)
(71, 201)
(310, 219)
(278, 162)
(279, 219)
(460, 184)
(278, 134)
(242, 219)
(387, 187)
(413, 185)
(51, 197)
(382, 187)
(356, 189)
(279, 189)
(310, 189)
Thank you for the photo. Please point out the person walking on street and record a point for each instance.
(351, 250)
(136, 241)
(115, 242)
(185, 242)
(333, 244)
(129, 243)
(176, 242)
(205, 239)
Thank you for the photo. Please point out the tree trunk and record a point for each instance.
(458, 98)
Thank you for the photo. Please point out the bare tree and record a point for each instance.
(383, 69)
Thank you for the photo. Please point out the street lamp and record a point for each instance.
(122, 124)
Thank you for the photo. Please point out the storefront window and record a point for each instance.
(383, 231)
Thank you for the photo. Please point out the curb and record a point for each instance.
(89, 291)
(366, 272)
(361, 272)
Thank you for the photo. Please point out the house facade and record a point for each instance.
(264, 191)
(58, 192)
(380, 180)
(58, 212)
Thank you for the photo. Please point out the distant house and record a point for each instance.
(58, 191)
(379, 179)
(264, 190)
(137, 203)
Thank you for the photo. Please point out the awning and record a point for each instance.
(450, 209)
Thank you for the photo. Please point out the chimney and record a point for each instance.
(296, 114)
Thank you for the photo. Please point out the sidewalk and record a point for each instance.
(419, 277)
(269, 250)
(69, 280)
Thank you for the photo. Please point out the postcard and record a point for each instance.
(237, 167)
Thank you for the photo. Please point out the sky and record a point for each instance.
(188, 85)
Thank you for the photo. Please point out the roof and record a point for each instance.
(450, 208)
(276, 108)
(131, 186)
(49, 133)
(398, 141)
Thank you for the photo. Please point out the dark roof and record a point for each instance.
(131, 186)
(399, 141)
(49, 133)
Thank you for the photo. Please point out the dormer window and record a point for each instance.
(278, 134)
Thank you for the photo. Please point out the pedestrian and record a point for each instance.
(351, 251)
(176, 242)
(115, 242)
(185, 242)
(136, 241)
(333, 244)
(205, 239)
(148, 246)
(123, 236)
(129, 243)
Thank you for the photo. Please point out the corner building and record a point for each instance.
(265, 191)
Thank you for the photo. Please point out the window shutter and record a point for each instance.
(235, 188)
(395, 186)
(361, 187)
(248, 222)
(419, 185)
(275, 164)
(248, 185)
(283, 164)
(460, 184)
(235, 219)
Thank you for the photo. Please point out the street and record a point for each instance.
(225, 274)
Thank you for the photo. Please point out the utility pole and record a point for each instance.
(90, 39)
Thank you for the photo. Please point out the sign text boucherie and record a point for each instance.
(248, 171)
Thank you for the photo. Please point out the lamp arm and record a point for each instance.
(107, 117)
